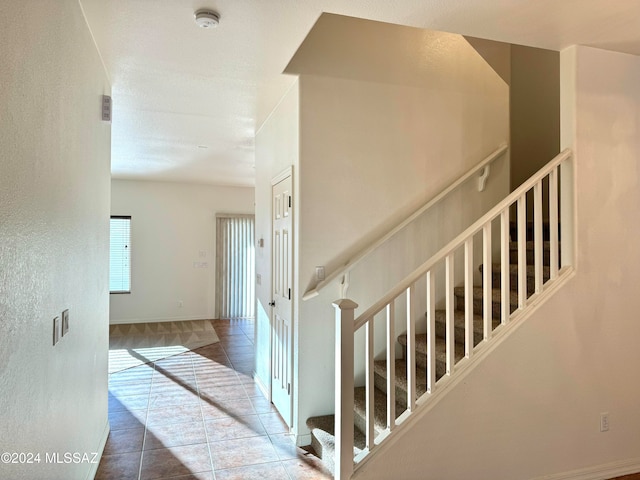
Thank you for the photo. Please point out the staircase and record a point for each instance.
(520, 266)
(322, 427)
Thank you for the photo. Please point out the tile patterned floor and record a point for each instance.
(199, 416)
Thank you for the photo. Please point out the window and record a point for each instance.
(120, 255)
(235, 258)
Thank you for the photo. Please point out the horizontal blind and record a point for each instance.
(120, 255)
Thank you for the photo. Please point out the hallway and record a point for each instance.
(198, 415)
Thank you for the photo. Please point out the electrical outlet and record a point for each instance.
(56, 330)
(604, 422)
(259, 279)
(65, 322)
(180, 304)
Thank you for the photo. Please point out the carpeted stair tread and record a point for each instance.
(530, 245)
(421, 355)
(478, 301)
(323, 439)
(529, 252)
(459, 323)
(496, 276)
(421, 344)
(513, 270)
(495, 295)
(530, 229)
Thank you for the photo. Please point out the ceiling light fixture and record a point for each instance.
(206, 18)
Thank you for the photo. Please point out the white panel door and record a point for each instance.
(282, 333)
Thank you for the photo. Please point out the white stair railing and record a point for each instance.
(557, 179)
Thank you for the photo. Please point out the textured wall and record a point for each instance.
(54, 235)
(172, 226)
(277, 148)
(371, 153)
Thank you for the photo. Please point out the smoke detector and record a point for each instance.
(207, 18)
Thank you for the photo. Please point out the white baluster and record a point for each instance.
(505, 271)
(431, 333)
(369, 386)
(487, 293)
(468, 297)
(553, 223)
(344, 316)
(450, 300)
(567, 212)
(411, 348)
(391, 365)
(537, 235)
(522, 251)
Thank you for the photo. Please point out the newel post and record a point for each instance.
(344, 388)
(567, 212)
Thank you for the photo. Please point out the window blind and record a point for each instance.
(235, 258)
(120, 255)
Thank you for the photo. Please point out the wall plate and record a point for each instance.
(65, 322)
(56, 330)
(106, 108)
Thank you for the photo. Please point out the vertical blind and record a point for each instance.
(235, 258)
(120, 255)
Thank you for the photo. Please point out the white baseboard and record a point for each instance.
(93, 467)
(598, 472)
(122, 321)
(303, 440)
(263, 388)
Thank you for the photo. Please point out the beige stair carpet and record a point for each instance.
(133, 344)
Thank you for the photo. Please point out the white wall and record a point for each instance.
(277, 147)
(54, 237)
(532, 408)
(172, 227)
(370, 154)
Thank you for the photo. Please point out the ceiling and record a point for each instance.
(188, 101)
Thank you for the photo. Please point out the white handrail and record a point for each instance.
(374, 245)
(459, 240)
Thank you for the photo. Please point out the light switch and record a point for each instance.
(56, 330)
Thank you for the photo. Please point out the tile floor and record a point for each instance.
(199, 416)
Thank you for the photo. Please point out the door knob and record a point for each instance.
(272, 304)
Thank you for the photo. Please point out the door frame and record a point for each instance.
(287, 172)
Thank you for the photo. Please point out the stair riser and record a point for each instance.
(441, 332)
(401, 395)
(323, 440)
(496, 282)
(513, 231)
(360, 421)
(477, 306)
(319, 449)
(421, 362)
(513, 256)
